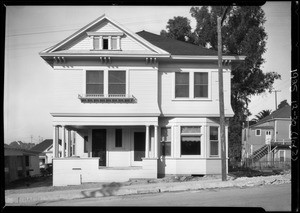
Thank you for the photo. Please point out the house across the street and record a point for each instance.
(20, 163)
(134, 105)
(45, 150)
(269, 140)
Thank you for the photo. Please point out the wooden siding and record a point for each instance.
(283, 130)
(171, 106)
(70, 83)
(127, 42)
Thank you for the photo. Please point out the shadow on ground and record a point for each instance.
(30, 182)
(106, 190)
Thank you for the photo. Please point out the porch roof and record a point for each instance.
(97, 120)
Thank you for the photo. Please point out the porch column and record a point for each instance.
(155, 142)
(55, 141)
(147, 142)
(68, 143)
(63, 135)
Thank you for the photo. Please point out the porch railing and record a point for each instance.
(94, 98)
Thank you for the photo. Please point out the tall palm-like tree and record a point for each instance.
(262, 114)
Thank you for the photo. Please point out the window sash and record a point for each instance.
(94, 82)
(166, 148)
(117, 82)
(96, 45)
(114, 45)
(214, 148)
(182, 85)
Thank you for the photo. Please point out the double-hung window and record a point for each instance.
(214, 140)
(190, 140)
(94, 82)
(200, 85)
(117, 82)
(166, 141)
(181, 85)
(192, 85)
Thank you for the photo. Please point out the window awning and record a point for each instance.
(190, 138)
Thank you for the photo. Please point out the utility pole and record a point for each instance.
(221, 97)
(275, 91)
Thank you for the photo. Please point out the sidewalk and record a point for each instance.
(116, 189)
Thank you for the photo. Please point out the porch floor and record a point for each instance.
(121, 168)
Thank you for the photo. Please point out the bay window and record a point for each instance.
(190, 140)
(166, 141)
(214, 140)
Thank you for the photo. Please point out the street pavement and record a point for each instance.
(117, 189)
(268, 197)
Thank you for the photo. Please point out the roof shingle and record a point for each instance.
(174, 46)
(43, 145)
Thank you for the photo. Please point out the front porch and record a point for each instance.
(75, 171)
(105, 153)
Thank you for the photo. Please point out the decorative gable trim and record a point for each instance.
(93, 23)
(105, 33)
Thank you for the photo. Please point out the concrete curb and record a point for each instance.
(143, 189)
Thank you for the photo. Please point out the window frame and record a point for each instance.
(105, 78)
(189, 85)
(256, 132)
(192, 134)
(85, 82)
(219, 142)
(171, 149)
(192, 85)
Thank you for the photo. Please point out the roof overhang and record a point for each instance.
(196, 57)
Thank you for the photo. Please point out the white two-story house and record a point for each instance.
(134, 105)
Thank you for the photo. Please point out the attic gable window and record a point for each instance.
(106, 40)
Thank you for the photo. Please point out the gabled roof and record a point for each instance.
(181, 48)
(89, 26)
(284, 112)
(175, 47)
(41, 147)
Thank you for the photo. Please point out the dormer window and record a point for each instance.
(106, 40)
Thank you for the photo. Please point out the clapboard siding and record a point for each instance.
(171, 106)
(70, 83)
(85, 42)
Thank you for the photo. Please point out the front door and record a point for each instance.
(138, 147)
(99, 145)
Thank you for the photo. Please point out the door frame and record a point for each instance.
(132, 131)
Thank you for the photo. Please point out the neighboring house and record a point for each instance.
(269, 139)
(134, 105)
(19, 163)
(45, 150)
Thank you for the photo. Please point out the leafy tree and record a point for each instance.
(243, 33)
(178, 28)
(262, 114)
(283, 104)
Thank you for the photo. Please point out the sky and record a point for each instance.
(28, 81)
